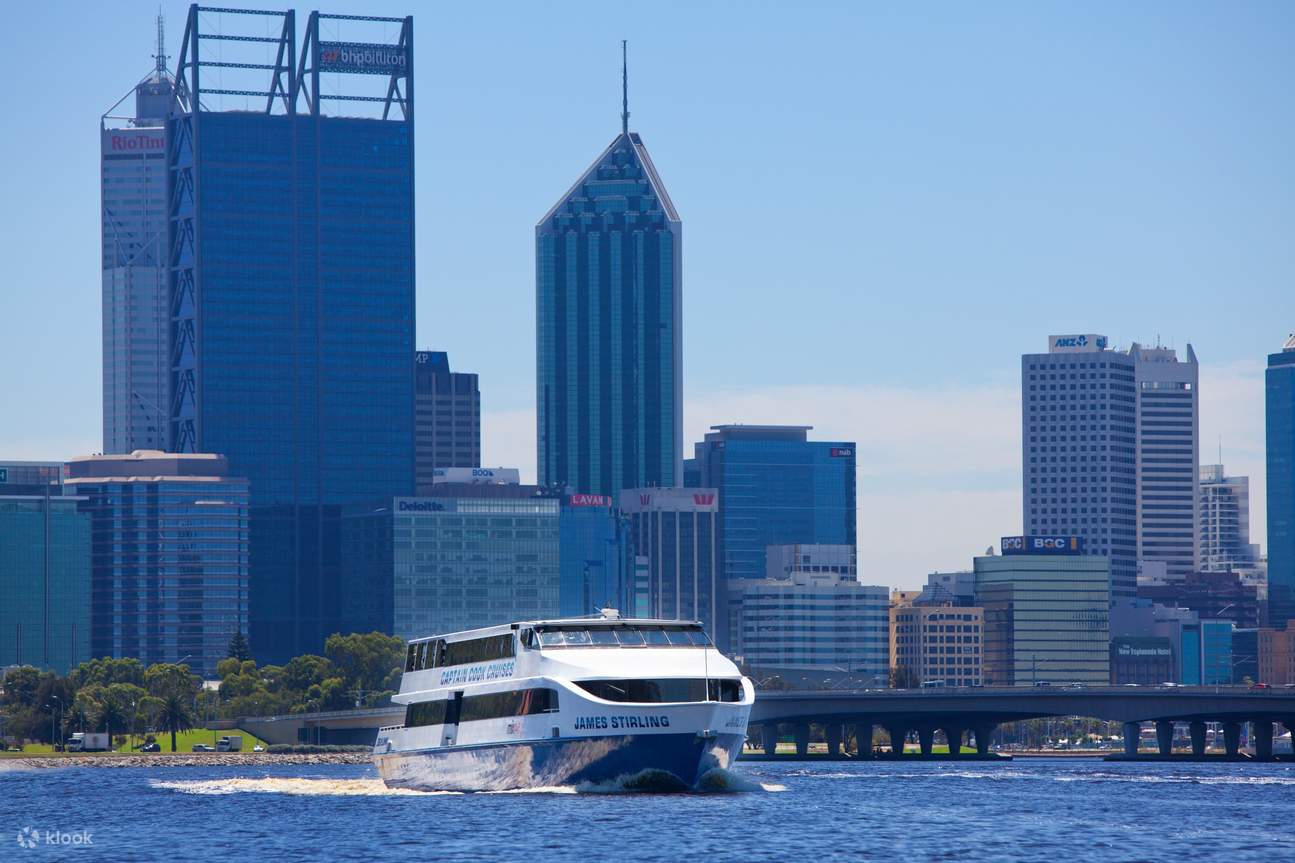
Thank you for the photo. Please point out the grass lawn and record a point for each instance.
(184, 740)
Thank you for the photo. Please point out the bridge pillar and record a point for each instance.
(832, 732)
(897, 734)
(1231, 738)
(925, 738)
(1262, 731)
(863, 737)
(1197, 729)
(1165, 736)
(802, 739)
(769, 735)
(953, 734)
(983, 733)
(1132, 735)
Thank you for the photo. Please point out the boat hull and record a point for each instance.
(595, 760)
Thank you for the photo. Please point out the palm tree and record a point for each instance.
(111, 714)
(174, 715)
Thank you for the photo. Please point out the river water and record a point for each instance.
(1061, 811)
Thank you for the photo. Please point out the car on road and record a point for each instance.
(1261, 686)
(258, 748)
(151, 747)
(202, 747)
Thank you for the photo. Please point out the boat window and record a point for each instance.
(676, 635)
(654, 635)
(425, 713)
(629, 637)
(516, 702)
(528, 639)
(551, 638)
(409, 657)
(663, 691)
(479, 649)
(602, 637)
(699, 638)
(578, 638)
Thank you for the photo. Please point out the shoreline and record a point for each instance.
(184, 759)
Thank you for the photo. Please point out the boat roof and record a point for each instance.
(501, 629)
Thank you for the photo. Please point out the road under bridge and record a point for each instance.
(976, 712)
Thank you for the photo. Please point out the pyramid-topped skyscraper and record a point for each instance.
(608, 266)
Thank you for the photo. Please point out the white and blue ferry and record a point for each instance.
(565, 702)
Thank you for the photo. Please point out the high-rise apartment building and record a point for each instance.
(136, 304)
(169, 555)
(1168, 457)
(776, 487)
(672, 535)
(609, 277)
(1080, 450)
(1225, 521)
(1047, 613)
(1279, 384)
(44, 569)
(447, 417)
(291, 208)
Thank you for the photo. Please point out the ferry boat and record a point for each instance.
(565, 702)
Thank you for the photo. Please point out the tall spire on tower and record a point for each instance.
(625, 90)
(160, 56)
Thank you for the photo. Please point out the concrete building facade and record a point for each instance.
(1225, 521)
(938, 644)
(1168, 457)
(1080, 450)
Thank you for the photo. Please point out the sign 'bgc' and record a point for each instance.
(1041, 545)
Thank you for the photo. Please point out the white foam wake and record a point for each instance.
(287, 785)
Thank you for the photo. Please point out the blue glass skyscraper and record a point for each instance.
(292, 290)
(1280, 386)
(608, 280)
(776, 487)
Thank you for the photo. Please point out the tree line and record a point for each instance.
(123, 696)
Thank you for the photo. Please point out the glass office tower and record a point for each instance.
(292, 290)
(608, 279)
(1280, 386)
(133, 184)
(776, 487)
(44, 569)
(447, 417)
(169, 545)
(1047, 618)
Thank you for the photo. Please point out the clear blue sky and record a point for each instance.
(888, 203)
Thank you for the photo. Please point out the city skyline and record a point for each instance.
(826, 359)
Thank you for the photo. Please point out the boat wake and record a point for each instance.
(645, 782)
(287, 785)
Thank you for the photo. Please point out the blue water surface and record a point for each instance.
(1029, 810)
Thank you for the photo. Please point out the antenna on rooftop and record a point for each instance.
(625, 89)
(160, 56)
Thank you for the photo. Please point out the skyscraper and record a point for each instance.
(168, 543)
(292, 288)
(608, 278)
(447, 417)
(132, 177)
(1079, 446)
(1225, 521)
(1280, 388)
(1168, 458)
(776, 487)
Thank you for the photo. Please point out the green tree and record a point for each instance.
(20, 686)
(368, 661)
(174, 715)
(903, 677)
(164, 678)
(239, 648)
(107, 671)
